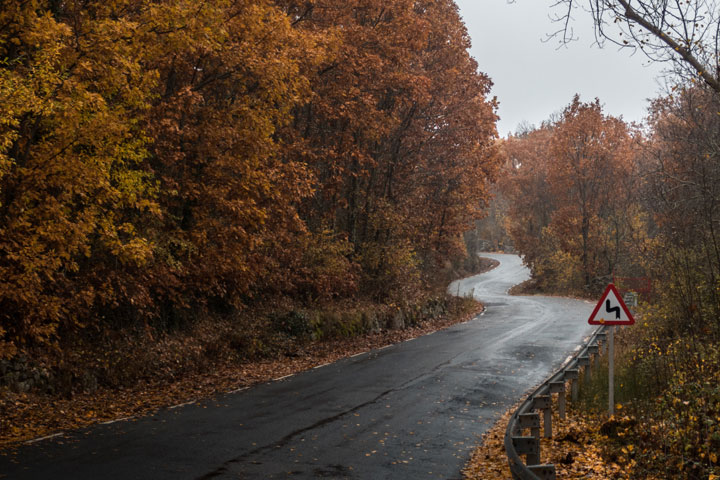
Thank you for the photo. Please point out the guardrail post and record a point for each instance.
(573, 376)
(547, 417)
(543, 472)
(592, 351)
(584, 361)
(559, 388)
(544, 403)
(531, 421)
(528, 446)
(588, 374)
(574, 392)
(602, 337)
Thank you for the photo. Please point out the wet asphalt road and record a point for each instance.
(410, 411)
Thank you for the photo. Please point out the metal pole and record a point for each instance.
(588, 372)
(611, 370)
(547, 417)
(574, 389)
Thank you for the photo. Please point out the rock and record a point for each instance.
(397, 321)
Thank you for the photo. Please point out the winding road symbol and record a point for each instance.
(611, 303)
(615, 310)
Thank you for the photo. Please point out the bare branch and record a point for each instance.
(683, 32)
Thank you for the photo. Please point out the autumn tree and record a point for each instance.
(228, 77)
(681, 160)
(140, 173)
(524, 183)
(74, 187)
(399, 135)
(571, 184)
(590, 161)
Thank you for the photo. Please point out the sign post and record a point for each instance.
(611, 311)
(611, 371)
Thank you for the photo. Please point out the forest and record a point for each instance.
(166, 161)
(589, 199)
(190, 185)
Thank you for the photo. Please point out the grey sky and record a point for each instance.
(532, 79)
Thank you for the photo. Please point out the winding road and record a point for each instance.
(410, 411)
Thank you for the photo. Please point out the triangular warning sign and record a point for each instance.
(611, 310)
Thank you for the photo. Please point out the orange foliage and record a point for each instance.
(225, 88)
(571, 185)
(399, 134)
(72, 181)
(164, 159)
(140, 173)
(591, 166)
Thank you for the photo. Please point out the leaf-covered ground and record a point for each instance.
(26, 417)
(576, 450)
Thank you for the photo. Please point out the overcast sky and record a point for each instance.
(532, 79)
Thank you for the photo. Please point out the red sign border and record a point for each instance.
(631, 319)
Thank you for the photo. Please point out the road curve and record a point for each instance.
(409, 411)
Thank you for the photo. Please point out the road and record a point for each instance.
(409, 411)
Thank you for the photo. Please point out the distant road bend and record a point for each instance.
(410, 411)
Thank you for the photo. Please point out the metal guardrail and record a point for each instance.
(526, 417)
